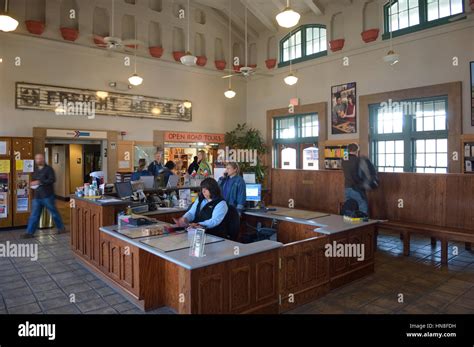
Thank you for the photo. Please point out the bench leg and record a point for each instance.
(444, 252)
(433, 242)
(401, 236)
(406, 243)
(468, 246)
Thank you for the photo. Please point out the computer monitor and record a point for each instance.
(124, 190)
(148, 181)
(173, 181)
(254, 192)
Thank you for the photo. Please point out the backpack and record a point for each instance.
(367, 174)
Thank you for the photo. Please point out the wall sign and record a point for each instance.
(176, 136)
(76, 134)
(30, 96)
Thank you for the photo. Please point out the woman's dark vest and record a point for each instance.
(206, 213)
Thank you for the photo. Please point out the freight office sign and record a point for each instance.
(172, 136)
(41, 97)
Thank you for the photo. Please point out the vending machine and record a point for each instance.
(16, 168)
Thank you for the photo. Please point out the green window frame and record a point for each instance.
(423, 21)
(305, 41)
(300, 133)
(410, 138)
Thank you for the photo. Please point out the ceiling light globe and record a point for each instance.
(288, 18)
(188, 59)
(7, 23)
(291, 79)
(135, 80)
(229, 94)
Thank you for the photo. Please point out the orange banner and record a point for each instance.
(172, 136)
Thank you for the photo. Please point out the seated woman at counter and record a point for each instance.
(233, 186)
(208, 211)
(141, 171)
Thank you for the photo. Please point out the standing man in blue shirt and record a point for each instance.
(156, 166)
(233, 186)
(209, 210)
(42, 183)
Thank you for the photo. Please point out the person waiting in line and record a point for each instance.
(353, 183)
(168, 171)
(233, 186)
(204, 167)
(156, 165)
(42, 183)
(141, 170)
(194, 166)
(208, 211)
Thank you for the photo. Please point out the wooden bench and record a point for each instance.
(444, 234)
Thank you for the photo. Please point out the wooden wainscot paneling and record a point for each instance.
(321, 191)
(460, 201)
(244, 285)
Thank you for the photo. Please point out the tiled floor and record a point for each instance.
(45, 286)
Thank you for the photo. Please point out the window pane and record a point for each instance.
(402, 5)
(310, 158)
(414, 16)
(444, 8)
(456, 6)
(442, 145)
(288, 158)
(433, 9)
(403, 20)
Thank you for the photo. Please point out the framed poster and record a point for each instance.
(472, 93)
(344, 109)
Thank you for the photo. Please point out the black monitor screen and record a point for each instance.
(124, 190)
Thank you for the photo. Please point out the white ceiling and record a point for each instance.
(262, 13)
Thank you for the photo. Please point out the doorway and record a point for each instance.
(72, 163)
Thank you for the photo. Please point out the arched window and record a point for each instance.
(407, 16)
(306, 42)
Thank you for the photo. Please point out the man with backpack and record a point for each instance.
(359, 176)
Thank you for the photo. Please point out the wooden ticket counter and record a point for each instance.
(261, 277)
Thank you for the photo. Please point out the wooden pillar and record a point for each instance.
(406, 243)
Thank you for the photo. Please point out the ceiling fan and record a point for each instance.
(246, 71)
(114, 43)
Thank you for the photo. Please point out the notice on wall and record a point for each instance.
(3, 205)
(4, 183)
(124, 164)
(28, 165)
(3, 148)
(5, 166)
(22, 184)
(19, 165)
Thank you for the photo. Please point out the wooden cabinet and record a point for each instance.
(86, 220)
(244, 285)
(120, 262)
(304, 273)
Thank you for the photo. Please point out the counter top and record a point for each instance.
(330, 224)
(215, 252)
(105, 200)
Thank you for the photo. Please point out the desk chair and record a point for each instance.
(261, 232)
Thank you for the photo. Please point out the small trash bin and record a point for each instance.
(46, 219)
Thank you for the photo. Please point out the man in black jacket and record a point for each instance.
(42, 183)
(352, 181)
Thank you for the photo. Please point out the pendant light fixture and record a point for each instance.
(230, 93)
(7, 23)
(288, 18)
(391, 58)
(188, 59)
(291, 79)
(135, 79)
